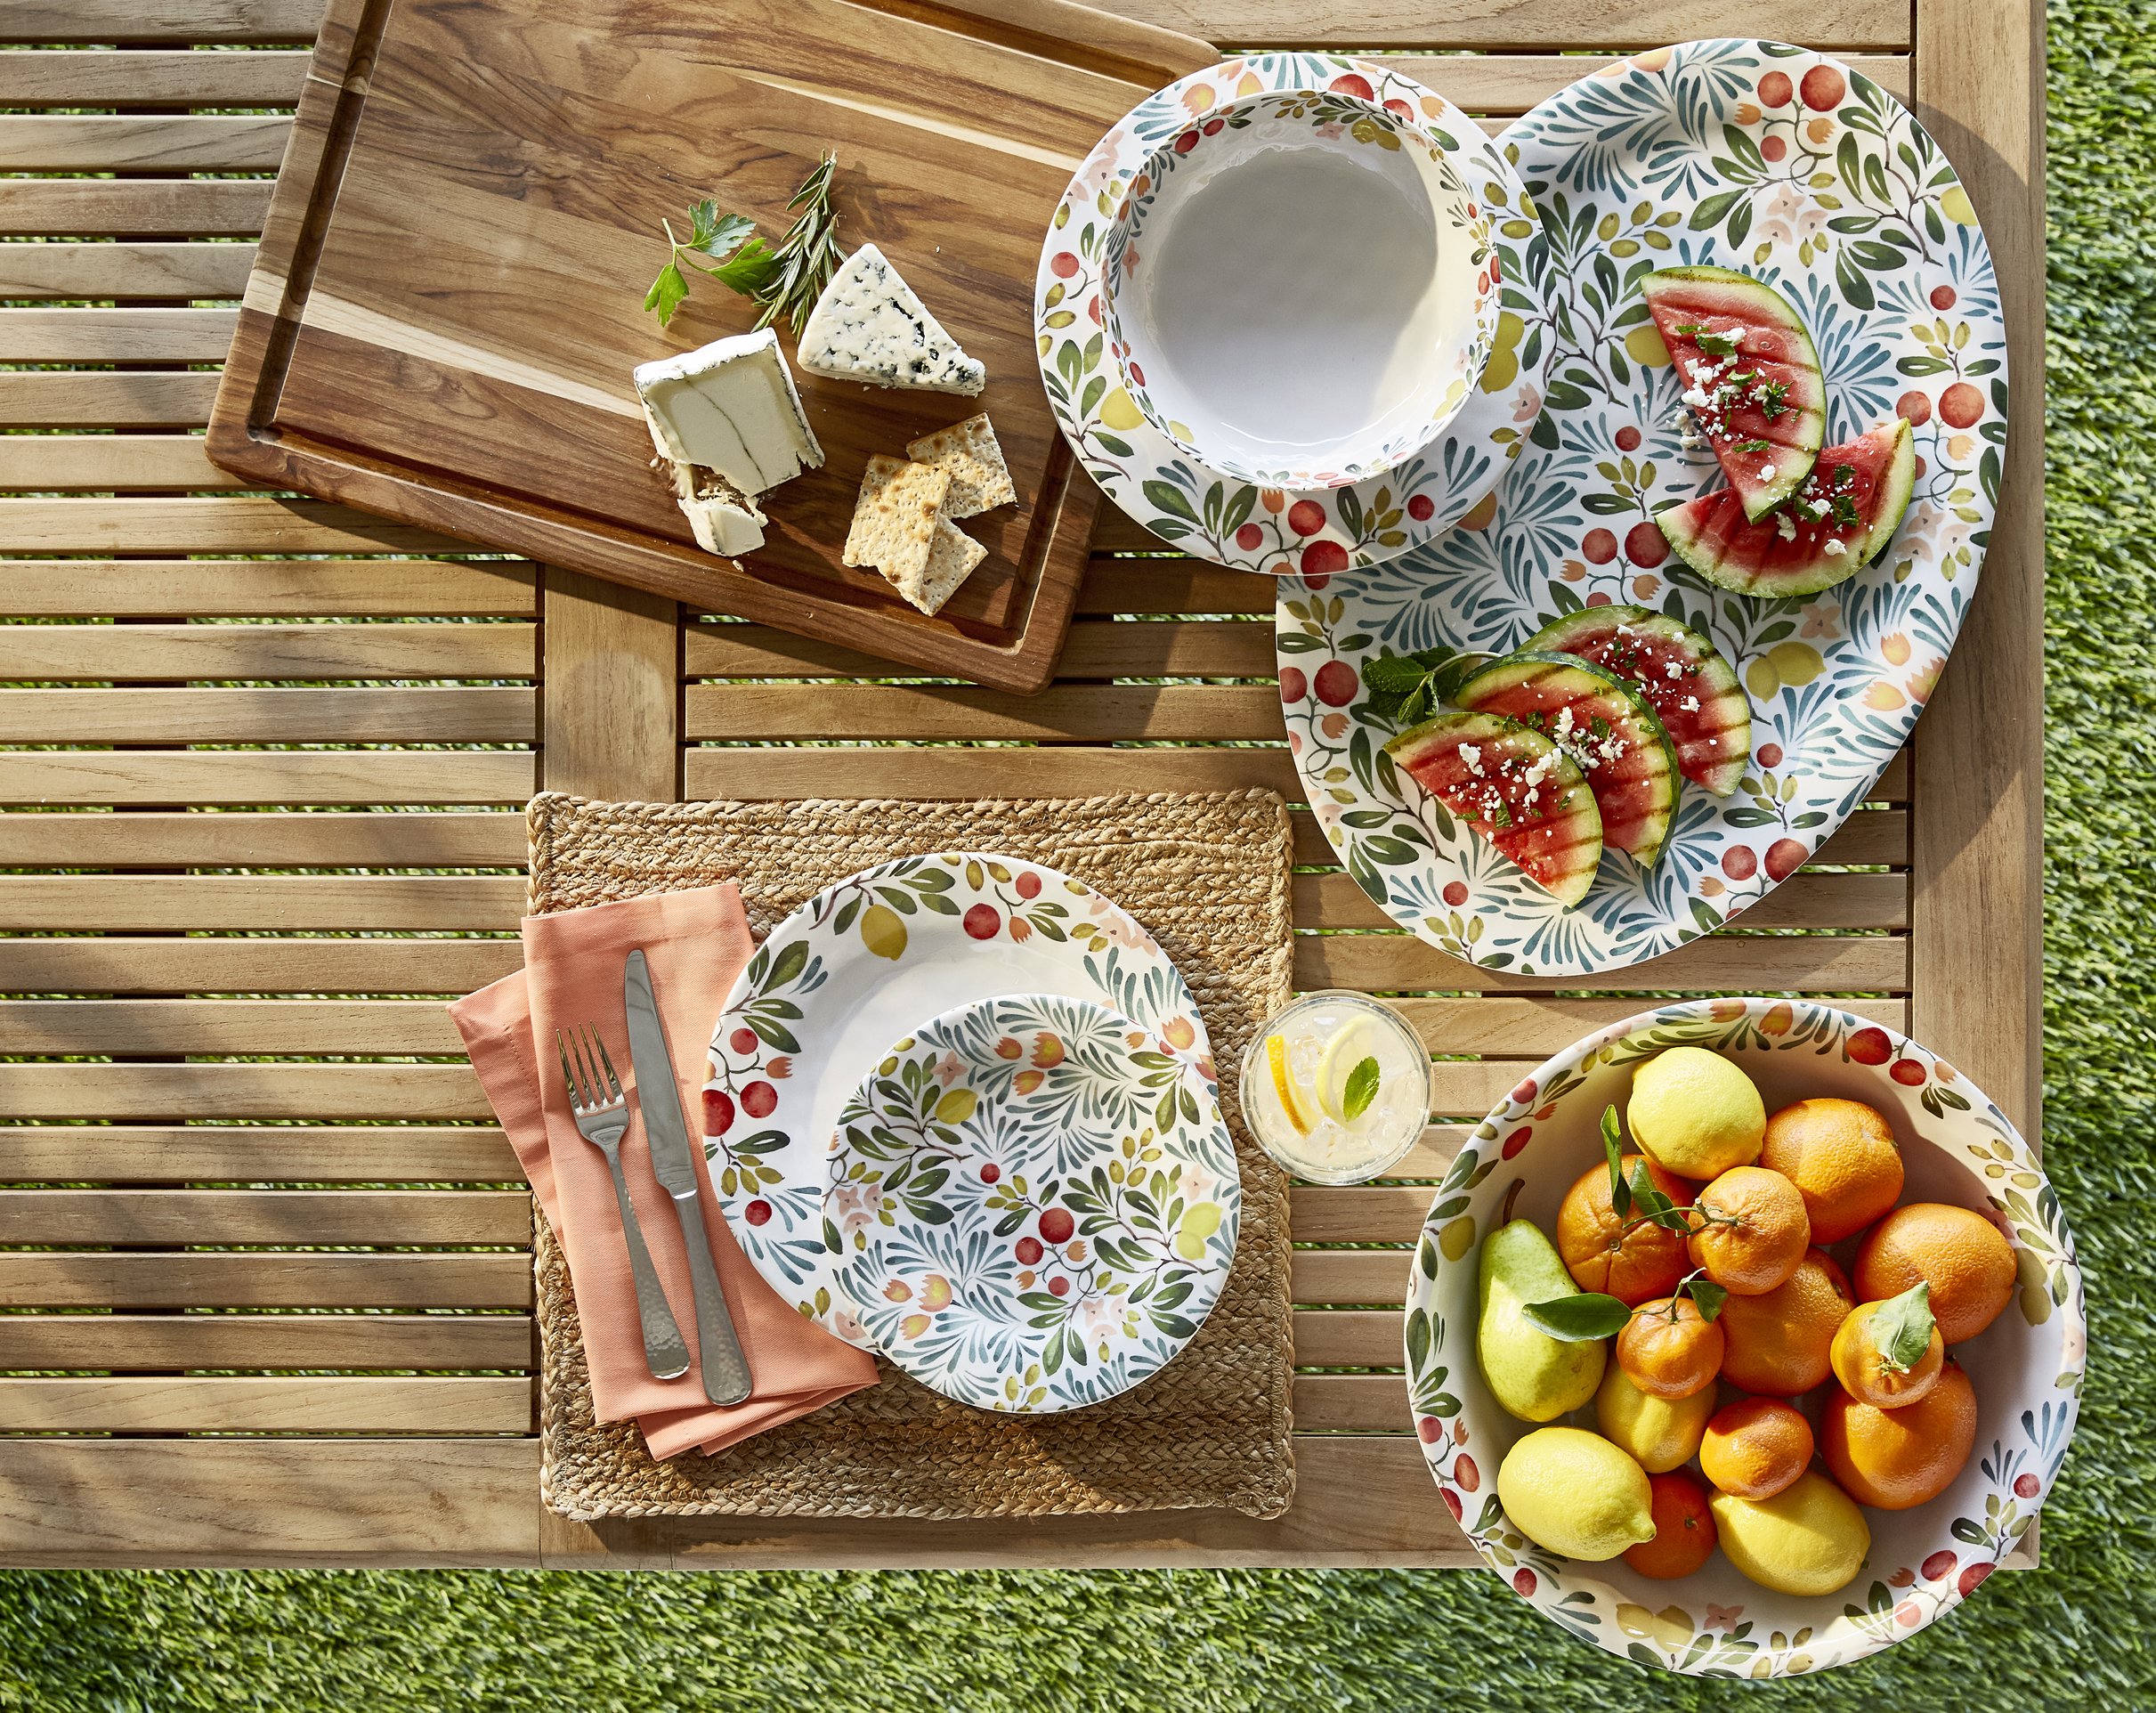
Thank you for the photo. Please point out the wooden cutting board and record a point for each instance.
(448, 299)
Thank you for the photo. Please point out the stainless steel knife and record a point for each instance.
(725, 1371)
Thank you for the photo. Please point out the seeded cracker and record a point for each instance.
(952, 558)
(894, 526)
(980, 480)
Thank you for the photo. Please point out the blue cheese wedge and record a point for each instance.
(730, 406)
(869, 326)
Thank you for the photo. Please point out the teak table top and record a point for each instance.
(212, 1014)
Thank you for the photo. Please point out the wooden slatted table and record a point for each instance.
(264, 1267)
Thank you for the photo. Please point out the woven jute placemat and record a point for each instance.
(1208, 874)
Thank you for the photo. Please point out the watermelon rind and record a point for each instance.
(1559, 847)
(1779, 350)
(1736, 562)
(1630, 765)
(1712, 736)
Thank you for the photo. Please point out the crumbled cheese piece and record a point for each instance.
(1470, 757)
(1673, 670)
(1832, 548)
(870, 326)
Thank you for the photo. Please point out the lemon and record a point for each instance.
(1809, 1538)
(1659, 1433)
(1284, 1084)
(1353, 1042)
(1695, 1113)
(1575, 1493)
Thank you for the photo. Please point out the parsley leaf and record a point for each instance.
(666, 292)
(785, 280)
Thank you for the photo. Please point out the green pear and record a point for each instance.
(1536, 1376)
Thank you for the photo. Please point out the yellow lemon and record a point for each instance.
(1575, 1493)
(1120, 410)
(956, 1107)
(1809, 1538)
(1353, 1042)
(1284, 1084)
(1956, 206)
(1796, 663)
(1643, 344)
(1696, 1114)
(882, 932)
(1762, 680)
(1661, 1433)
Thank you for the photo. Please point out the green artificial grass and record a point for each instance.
(2074, 1635)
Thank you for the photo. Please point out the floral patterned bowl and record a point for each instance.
(1030, 1211)
(2027, 1367)
(1313, 304)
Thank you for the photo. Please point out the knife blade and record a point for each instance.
(724, 1369)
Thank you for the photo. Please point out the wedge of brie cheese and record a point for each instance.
(731, 407)
(725, 520)
(869, 326)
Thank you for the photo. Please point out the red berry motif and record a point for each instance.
(1420, 507)
(982, 921)
(1628, 439)
(1336, 684)
(1063, 265)
(1938, 1565)
(1306, 517)
(1914, 408)
(990, 1174)
(1322, 558)
(1770, 755)
(759, 1100)
(1775, 89)
(1248, 537)
(1465, 1473)
(1059, 1287)
(1942, 298)
(742, 1041)
(1960, 405)
(1972, 1578)
(1526, 1093)
(1824, 88)
(1516, 1140)
(1211, 127)
(1455, 893)
(2027, 1485)
(1908, 1072)
(1773, 147)
(1523, 1582)
(758, 1212)
(1029, 885)
(1785, 856)
(1293, 685)
(1185, 143)
(1645, 545)
(1352, 83)
(718, 1112)
(1029, 1251)
(1600, 597)
(1908, 1614)
(1870, 1047)
(1429, 1429)
(1396, 105)
(1452, 1502)
(1739, 863)
(1598, 546)
(1057, 1225)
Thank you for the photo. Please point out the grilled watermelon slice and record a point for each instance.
(1751, 378)
(1514, 787)
(1682, 676)
(1841, 521)
(1603, 722)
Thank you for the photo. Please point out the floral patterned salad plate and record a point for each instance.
(1102, 407)
(2026, 1368)
(1029, 1219)
(863, 963)
(1787, 165)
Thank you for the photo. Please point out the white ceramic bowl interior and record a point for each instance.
(2026, 1366)
(1296, 287)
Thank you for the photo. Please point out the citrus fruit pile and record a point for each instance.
(1741, 1300)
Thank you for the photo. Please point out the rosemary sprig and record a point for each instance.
(786, 280)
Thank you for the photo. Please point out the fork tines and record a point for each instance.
(586, 1089)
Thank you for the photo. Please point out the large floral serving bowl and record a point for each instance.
(1297, 287)
(2026, 1368)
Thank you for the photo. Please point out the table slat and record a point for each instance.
(300, 1218)
(256, 1154)
(121, 1342)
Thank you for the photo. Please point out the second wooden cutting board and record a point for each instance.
(448, 299)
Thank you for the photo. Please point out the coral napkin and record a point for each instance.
(696, 942)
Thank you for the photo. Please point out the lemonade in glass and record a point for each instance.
(1336, 1087)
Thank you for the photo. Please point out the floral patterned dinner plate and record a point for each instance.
(1035, 1213)
(2026, 1368)
(1788, 165)
(1233, 521)
(868, 961)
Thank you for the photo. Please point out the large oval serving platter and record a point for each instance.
(1789, 166)
(1224, 519)
(868, 961)
(2027, 1366)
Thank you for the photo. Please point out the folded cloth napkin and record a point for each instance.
(696, 942)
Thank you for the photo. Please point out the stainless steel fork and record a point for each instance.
(601, 1113)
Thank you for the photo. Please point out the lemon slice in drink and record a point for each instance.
(1356, 1040)
(1284, 1086)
